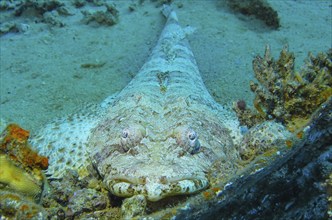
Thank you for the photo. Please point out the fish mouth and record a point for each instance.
(156, 190)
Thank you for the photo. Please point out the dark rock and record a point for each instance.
(258, 8)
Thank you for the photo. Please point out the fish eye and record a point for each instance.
(192, 135)
(131, 136)
(193, 141)
(125, 133)
(187, 138)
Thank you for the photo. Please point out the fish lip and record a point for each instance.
(154, 190)
(163, 179)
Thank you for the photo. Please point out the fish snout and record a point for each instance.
(155, 189)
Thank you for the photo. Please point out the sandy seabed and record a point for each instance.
(41, 68)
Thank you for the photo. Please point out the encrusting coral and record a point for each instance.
(21, 167)
(285, 95)
(16, 178)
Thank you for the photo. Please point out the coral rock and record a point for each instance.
(87, 200)
(14, 143)
(14, 206)
(17, 179)
(21, 167)
(285, 95)
(266, 137)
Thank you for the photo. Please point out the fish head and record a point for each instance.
(159, 152)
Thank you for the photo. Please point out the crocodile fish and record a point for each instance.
(158, 137)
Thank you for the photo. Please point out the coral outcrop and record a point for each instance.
(16, 14)
(108, 17)
(21, 167)
(16, 178)
(285, 95)
(74, 198)
(21, 178)
(264, 139)
(14, 143)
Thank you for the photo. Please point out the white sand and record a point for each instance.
(41, 77)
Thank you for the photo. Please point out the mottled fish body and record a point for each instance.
(158, 137)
